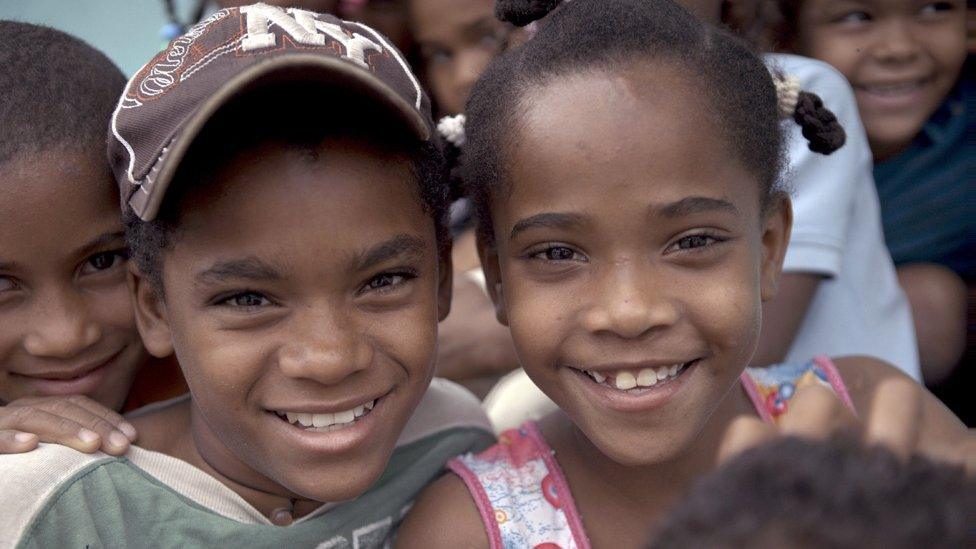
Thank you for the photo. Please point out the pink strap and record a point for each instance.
(835, 380)
(481, 500)
(753, 392)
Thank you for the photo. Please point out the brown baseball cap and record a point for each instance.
(168, 102)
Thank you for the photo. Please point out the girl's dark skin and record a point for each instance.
(628, 235)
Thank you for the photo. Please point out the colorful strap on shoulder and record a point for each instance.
(770, 388)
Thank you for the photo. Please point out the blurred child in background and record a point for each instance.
(905, 60)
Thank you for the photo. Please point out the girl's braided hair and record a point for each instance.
(583, 35)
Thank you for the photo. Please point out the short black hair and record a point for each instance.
(612, 35)
(835, 493)
(270, 115)
(56, 92)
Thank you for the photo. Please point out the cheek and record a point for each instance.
(113, 310)
(842, 52)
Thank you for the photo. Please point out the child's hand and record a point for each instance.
(75, 421)
(894, 419)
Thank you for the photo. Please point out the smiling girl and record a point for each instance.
(624, 163)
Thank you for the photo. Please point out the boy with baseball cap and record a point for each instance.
(284, 201)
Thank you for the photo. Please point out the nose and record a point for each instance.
(896, 42)
(323, 347)
(62, 326)
(629, 305)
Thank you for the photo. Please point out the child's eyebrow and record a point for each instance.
(693, 205)
(550, 220)
(250, 268)
(98, 242)
(400, 245)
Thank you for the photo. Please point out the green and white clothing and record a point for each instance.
(57, 497)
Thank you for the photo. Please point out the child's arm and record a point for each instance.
(905, 415)
(75, 421)
(443, 516)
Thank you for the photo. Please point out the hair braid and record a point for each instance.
(820, 127)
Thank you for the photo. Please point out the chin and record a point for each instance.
(342, 483)
(641, 448)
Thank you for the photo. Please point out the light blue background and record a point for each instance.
(128, 31)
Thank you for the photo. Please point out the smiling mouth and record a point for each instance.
(324, 422)
(637, 380)
(896, 89)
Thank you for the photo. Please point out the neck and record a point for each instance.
(182, 433)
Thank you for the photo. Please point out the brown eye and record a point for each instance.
(7, 284)
(103, 262)
(246, 300)
(694, 241)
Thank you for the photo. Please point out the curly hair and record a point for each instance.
(57, 92)
(836, 493)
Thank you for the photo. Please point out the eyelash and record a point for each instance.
(228, 300)
(10, 281)
(541, 254)
(121, 255)
(404, 277)
(709, 238)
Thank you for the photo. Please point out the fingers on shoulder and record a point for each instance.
(444, 516)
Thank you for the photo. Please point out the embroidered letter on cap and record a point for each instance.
(301, 28)
(304, 28)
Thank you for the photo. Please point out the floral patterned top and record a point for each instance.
(522, 494)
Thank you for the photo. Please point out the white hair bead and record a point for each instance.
(451, 128)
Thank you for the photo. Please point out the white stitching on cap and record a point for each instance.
(209, 58)
(403, 64)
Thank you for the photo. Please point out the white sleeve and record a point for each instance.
(823, 187)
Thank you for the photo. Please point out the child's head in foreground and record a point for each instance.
(624, 165)
(901, 56)
(834, 493)
(293, 257)
(66, 323)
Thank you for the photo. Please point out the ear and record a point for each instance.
(151, 318)
(493, 280)
(777, 225)
(445, 282)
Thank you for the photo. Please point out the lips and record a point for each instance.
(893, 93)
(68, 374)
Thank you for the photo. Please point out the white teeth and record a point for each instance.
(626, 380)
(327, 421)
(647, 377)
(323, 420)
(600, 378)
(673, 370)
(662, 373)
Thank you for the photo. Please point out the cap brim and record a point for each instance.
(317, 70)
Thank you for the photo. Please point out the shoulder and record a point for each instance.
(445, 406)
(444, 515)
(31, 479)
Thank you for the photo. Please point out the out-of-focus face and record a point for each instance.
(66, 321)
(632, 258)
(901, 56)
(302, 296)
(457, 40)
(389, 17)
